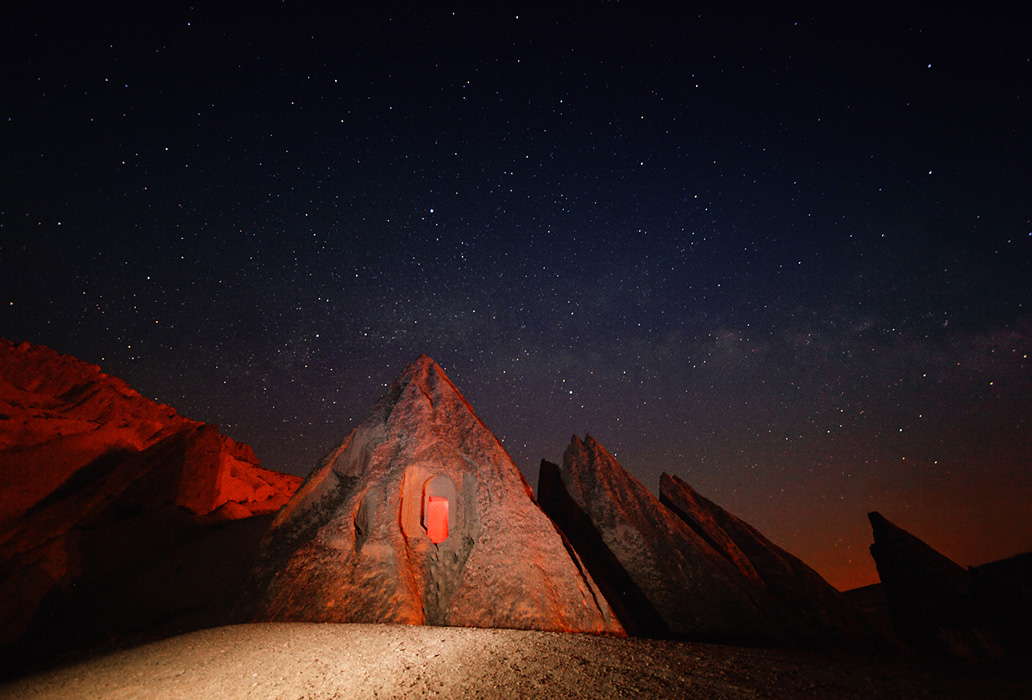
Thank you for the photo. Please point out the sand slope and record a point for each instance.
(313, 660)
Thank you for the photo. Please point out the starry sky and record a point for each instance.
(784, 253)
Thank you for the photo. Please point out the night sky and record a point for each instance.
(785, 254)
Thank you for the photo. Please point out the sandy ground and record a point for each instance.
(306, 660)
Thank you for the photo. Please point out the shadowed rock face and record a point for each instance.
(353, 545)
(101, 485)
(630, 604)
(667, 579)
(938, 606)
(802, 592)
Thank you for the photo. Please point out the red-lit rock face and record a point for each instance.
(59, 415)
(83, 460)
(363, 539)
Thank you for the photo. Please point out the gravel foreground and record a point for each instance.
(311, 660)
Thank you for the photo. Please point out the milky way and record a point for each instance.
(783, 254)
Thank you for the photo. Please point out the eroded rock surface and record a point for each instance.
(354, 542)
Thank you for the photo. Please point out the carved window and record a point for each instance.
(437, 519)
(440, 502)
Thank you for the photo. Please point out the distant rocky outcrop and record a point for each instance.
(800, 589)
(420, 517)
(664, 579)
(102, 490)
(940, 607)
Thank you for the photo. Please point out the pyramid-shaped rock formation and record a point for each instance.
(420, 516)
(661, 576)
(801, 590)
(101, 490)
(940, 607)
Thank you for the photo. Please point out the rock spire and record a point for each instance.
(667, 580)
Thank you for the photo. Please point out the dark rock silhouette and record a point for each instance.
(665, 578)
(102, 489)
(802, 591)
(938, 606)
(420, 516)
(870, 602)
(1017, 568)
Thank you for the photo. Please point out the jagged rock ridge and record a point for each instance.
(668, 579)
(356, 541)
(684, 567)
(801, 590)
